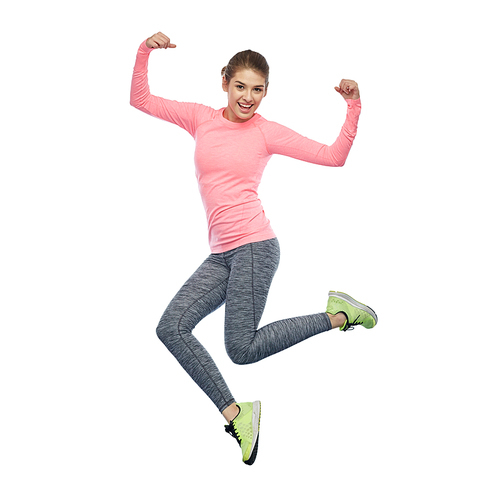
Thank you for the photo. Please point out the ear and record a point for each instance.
(225, 84)
(265, 90)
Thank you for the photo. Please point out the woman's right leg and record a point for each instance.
(202, 294)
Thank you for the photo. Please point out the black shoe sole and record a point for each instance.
(253, 456)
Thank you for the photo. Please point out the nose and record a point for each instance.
(248, 95)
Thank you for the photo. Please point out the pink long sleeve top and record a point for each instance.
(230, 157)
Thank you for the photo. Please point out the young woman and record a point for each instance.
(233, 145)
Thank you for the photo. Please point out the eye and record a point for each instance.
(239, 87)
(258, 89)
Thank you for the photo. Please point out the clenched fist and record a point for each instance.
(159, 41)
(348, 89)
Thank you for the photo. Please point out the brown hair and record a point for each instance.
(247, 59)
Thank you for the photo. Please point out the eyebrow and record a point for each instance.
(237, 81)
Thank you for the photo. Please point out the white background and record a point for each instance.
(102, 223)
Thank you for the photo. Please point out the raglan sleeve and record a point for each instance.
(184, 114)
(284, 141)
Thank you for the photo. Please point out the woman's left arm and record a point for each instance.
(284, 141)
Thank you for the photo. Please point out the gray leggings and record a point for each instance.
(241, 278)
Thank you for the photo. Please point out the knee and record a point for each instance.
(237, 360)
(239, 355)
(162, 332)
(167, 328)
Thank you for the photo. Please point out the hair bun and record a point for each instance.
(223, 71)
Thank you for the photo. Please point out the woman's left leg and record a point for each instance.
(252, 269)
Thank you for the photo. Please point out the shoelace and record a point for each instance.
(350, 326)
(230, 429)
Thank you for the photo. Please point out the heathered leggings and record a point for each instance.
(241, 278)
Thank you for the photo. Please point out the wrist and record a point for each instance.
(145, 46)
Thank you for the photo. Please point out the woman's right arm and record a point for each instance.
(180, 113)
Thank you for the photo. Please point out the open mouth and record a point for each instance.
(245, 107)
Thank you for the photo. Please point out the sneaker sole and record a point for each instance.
(355, 303)
(256, 429)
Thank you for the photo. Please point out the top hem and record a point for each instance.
(254, 238)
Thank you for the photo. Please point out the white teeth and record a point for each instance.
(247, 106)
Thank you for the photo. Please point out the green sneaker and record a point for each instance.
(357, 313)
(245, 429)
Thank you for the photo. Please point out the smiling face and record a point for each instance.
(245, 91)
